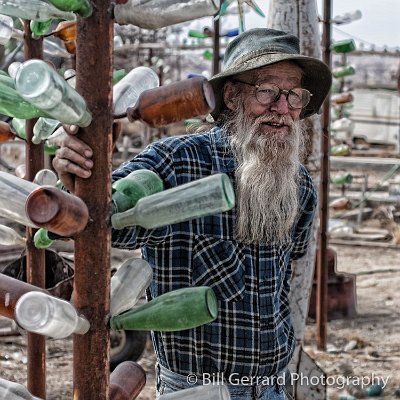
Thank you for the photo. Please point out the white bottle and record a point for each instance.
(50, 316)
(45, 177)
(155, 14)
(128, 284)
(128, 89)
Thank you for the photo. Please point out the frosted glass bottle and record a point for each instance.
(43, 128)
(7, 30)
(14, 391)
(13, 105)
(128, 89)
(155, 14)
(50, 316)
(128, 284)
(8, 237)
(206, 196)
(56, 139)
(17, 190)
(128, 190)
(36, 10)
(177, 310)
(42, 86)
(200, 392)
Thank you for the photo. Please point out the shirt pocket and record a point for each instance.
(218, 264)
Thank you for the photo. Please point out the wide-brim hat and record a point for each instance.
(259, 47)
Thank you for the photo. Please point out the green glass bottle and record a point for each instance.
(13, 105)
(345, 70)
(118, 75)
(341, 150)
(197, 34)
(81, 7)
(199, 198)
(137, 184)
(177, 310)
(40, 28)
(342, 179)
(208, 55)
(344, 46)
(41, 239)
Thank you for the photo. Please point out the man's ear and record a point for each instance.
(230, 96)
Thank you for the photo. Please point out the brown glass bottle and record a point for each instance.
(172, 103)
(11, 290)
(67, 32)
(59, 212)
(127, 381)
(6, 132)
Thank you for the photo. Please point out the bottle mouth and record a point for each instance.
(40, 206)
(31, 311)
(212, 304)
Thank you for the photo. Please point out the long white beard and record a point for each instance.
(266, 179)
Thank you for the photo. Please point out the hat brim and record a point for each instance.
(317, 79)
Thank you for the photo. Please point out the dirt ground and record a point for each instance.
(367, 346)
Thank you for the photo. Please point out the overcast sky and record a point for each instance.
(379, 25)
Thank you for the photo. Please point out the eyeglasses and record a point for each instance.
(268, 93)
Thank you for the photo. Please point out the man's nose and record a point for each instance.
(281, 105)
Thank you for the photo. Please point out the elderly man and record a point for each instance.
(245, 254)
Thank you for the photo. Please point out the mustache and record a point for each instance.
(286, 120)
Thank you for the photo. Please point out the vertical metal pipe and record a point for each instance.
(93, 245)
(35, 258)
(216, 47)
(322, 259)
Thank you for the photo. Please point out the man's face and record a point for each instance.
(274, 118)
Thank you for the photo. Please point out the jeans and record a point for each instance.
(168, 382)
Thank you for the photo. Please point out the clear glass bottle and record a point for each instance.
(45, 177)
(58, 211)
(8, 237)
(155, 14)
(14, 391)
(177, 310)
(128, 190)
(7, 30)
(128, 284)
(127, 381)
(50, 316)
(56, 139)
(36, 10)
(128, 89)
(42, 86)
(173, 103)
(17, 189)
(199, 198)
(43, 128)
(82, 7)
(201, 392)
(11, 289)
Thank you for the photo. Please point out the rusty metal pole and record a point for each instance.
(216, 48)
(35, 258)
(93, 245)
(322, 259)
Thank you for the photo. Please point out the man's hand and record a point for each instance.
(73, 159)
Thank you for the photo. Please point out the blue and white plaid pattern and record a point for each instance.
(252, 335)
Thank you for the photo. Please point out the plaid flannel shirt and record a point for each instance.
(252, 335)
